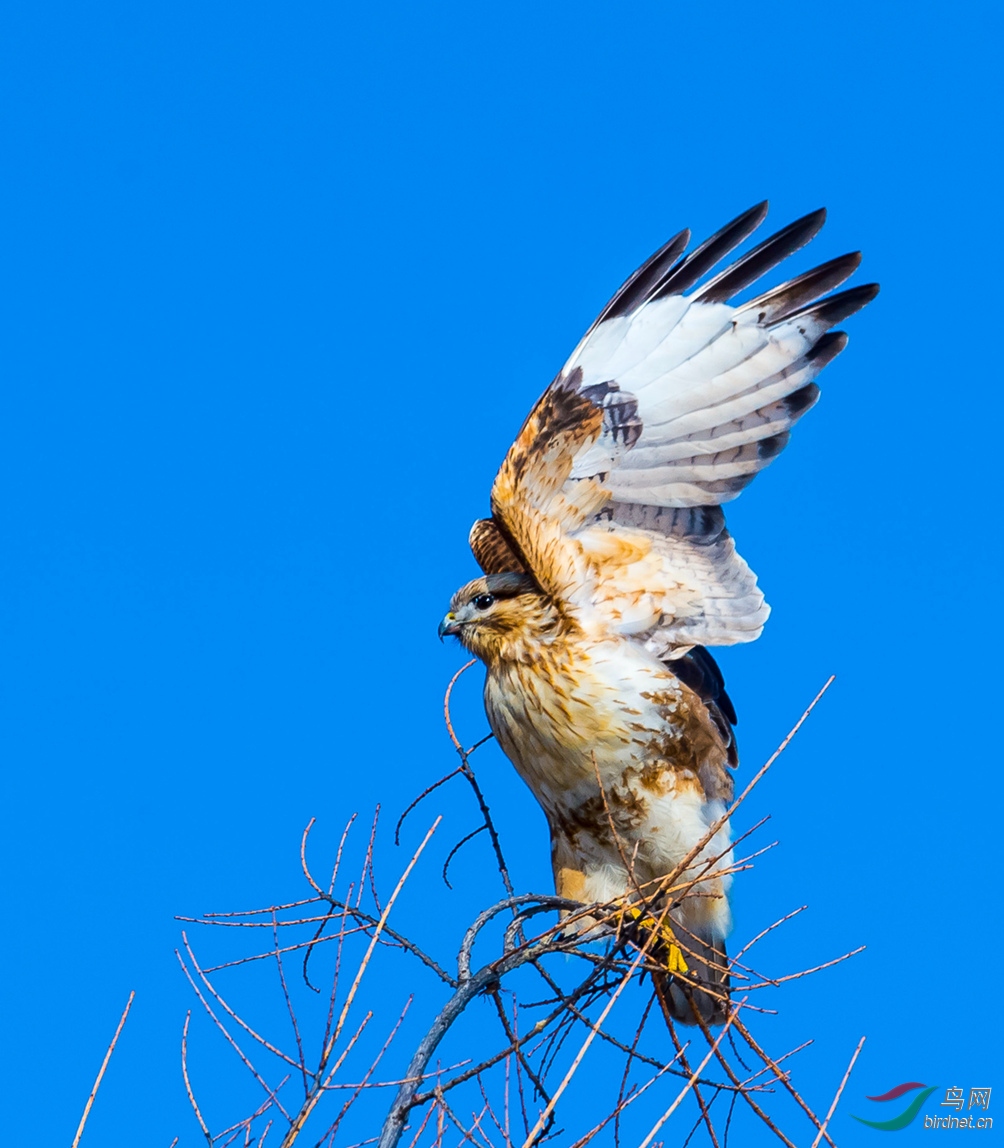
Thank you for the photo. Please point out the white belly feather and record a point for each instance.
(608, 712)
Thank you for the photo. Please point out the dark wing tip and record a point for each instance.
(804, 289)
(798, 402)
(834, 308)
(771, 447)
(635, 289)
(827, 347)
(762, 258)
(665, 273)
(690, 269)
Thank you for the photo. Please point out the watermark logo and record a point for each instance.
(908, 1115)
(955, 1097)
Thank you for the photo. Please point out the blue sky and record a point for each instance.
(280, 283)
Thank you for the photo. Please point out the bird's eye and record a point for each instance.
(483, 601)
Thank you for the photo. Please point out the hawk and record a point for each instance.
(608, 570)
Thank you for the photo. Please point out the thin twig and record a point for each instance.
(376, 935)
(101, 1070)
(744, 1094)
(446, 706)
(188, 1083)
(456, 849)
(368, 863)
(705, 1115)
(542, 1119)
(226, 1008)
(222, 1027)
(421, 797)
(622, 1103)
(836, 1098)
(289, 1005)
(783, 1077)
(468, 772)
(806, 972)
(763, 932)
(333, 1129)
(690, 1083)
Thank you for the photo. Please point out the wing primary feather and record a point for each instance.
(834, 308)
(771, 447)
(718, 694)
(762, 258)
(826, 349)
(788, 297)
(797, 403)
(634, 290)
(689, 270)
(663, 413)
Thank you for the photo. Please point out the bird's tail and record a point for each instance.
(693, 984)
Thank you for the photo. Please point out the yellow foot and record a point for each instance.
(674, 959)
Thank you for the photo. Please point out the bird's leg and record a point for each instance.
(664, 931)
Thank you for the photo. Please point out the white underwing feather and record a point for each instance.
(698, 396)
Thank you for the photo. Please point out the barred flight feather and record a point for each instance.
(697, 397)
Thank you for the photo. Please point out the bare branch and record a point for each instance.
(223, 1029)
(101, 1070)
(188, 1083)
(376, 935)
(783, 1077)
(223, 1004)
(532, 1038)
(421, 797)
(836, 1098)
(456, 849)
(542, 1119)
(734, 1012)
(446, 706)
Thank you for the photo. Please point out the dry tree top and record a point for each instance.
(357, 1029)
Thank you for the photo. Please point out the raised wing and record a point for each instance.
(671, 404)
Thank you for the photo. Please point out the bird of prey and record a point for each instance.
(608, 570)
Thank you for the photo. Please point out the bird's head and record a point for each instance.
(492, 616)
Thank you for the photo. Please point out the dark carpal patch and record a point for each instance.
(564, 408)
(620, 412)
(561, 411)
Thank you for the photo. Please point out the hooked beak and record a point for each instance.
(449, 625)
